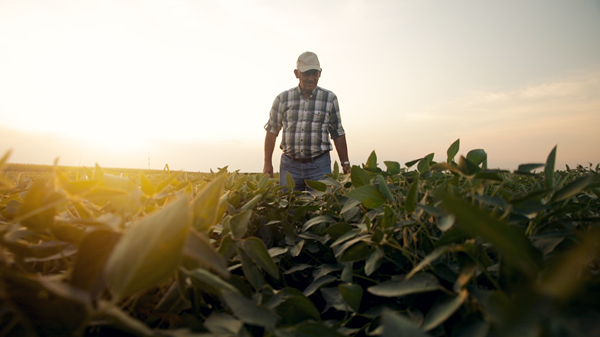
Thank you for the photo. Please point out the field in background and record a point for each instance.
(427, 248)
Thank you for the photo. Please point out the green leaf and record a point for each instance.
(509, 240)
(549, 170)
(351, 234)
(467, 167)
(445, 167)
(528, 167)
(206, 204)
(338, 229)
(239, 224)
(374, 261)
(198, 247)
(334, 299)
(452, 151)
(371, 164)
(572, 188)
(316, 221)
(335, 174)
(477, 156)
(412, 162)
(442, 309)
(296, 308)
(151, 250)
(424, 163)
(428, 260)
(353, 251)
(383, 187)
(262, 183)
(393, 167)
(420, 283)
(411, 199)
(253, 275)
(248, 311)
(359, 177)
(311, 329)
(395, 325)
(318, 283)
(257, 251)
(369, 195)
(352, 294)
(222, 324)
(252, 203)
(316, 185)
(291, 184)
(211, 283)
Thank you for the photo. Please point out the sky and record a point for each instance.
(188, 83)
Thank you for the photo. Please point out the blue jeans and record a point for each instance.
(313, 170)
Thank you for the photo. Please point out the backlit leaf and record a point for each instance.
(149, 253)
(206, 204)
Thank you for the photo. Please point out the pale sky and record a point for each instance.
(190, 83)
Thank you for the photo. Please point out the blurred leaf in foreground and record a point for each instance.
(150, 252)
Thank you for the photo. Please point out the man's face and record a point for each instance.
(308, 79)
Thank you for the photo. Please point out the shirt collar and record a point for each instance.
(299, 90)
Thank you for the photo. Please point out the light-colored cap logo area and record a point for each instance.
(308, 61)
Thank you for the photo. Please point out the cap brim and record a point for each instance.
(307, 68)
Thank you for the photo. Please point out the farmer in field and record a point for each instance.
(308, 115)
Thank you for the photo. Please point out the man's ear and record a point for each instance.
(296, 73)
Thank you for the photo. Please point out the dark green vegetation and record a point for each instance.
(430, 249)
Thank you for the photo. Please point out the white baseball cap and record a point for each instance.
(308, 61)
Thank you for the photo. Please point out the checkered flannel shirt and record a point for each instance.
(306, 123)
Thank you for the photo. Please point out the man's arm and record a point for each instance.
(270, 140)
(342, 149)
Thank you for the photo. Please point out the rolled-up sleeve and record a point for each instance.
(275, 117)
(335, 128)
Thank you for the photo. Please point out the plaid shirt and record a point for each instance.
(306, 123)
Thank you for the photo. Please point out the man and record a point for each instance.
(308, 115)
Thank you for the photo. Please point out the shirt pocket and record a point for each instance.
(320, 116)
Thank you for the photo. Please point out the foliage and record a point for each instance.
(430, 249)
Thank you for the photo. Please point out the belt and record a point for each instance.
(306, 160)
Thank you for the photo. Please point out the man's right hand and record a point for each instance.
(268, 169)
